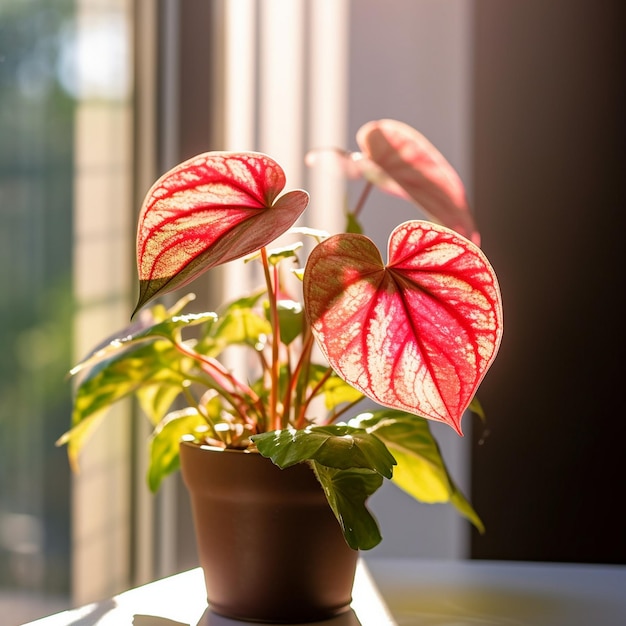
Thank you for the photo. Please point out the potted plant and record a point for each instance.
(416, 335)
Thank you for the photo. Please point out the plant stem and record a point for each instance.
(314, 392)
(301, 374)
(275, 420)
(288, 389)
(362, 198)
(343, 410)
(193, 402)
(244, 402)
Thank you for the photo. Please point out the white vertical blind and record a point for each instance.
(239, 109)
(285, 81)
(328, 106)
(239, 72)
(282, 72)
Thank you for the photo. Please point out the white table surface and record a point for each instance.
(500, 593)
(401, 592)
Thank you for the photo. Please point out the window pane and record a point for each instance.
(36, 164)
(98, 75)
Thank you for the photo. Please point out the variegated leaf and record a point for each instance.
(417, 334)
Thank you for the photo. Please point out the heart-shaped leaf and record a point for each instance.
(416, 335)
(350, 463)
(211, 209)
(338, 445)
(420, 170)
(400, 161)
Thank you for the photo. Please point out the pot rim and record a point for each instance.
(205, 446)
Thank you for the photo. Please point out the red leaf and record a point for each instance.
(211, 209)
(418, 334)
(420, 170)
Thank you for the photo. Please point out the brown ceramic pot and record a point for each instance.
(269, 544)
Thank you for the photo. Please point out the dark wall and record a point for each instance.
(549, 478)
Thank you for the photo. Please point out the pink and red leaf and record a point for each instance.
(400, 161)
(211, 209)
(417, 334)
(424, 174)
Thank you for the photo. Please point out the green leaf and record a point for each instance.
(141, 333)
(353, 225)
(170, 328)
(276, 255)
(141, 360)
(239, 323)
(109, 381)
(164, 444)
(337, 391)
(347, 491)
(245, 302)
(121, 376)
(350, 465)
(290, 317)
(75, 438)
(316, 233)
(238, 326)
(156, 400)
(339, 446)
(421, 470)
(476, 407)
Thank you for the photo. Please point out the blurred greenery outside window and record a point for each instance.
(48, 68)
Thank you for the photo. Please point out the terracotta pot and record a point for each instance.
(269, 544)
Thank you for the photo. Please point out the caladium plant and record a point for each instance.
(416, 333)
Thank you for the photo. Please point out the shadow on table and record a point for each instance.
(153, 620)
(209, 618)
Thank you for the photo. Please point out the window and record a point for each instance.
(36, 162)
(65, 204)
(99, 78)
(81, 140)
